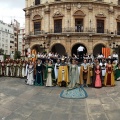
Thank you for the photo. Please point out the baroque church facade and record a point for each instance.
(63, 25)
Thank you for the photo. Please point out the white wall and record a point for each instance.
(6, 35)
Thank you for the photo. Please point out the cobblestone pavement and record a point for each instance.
(19, 101)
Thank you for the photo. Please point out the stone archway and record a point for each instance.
(58, 48)
(75, 47)
(98, 49)
(37, 48)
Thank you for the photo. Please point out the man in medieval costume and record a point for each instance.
(63, 74)
(85, 74)
(56, 68)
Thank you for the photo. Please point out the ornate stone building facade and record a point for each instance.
(63, 25)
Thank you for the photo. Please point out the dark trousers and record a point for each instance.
(80, 56)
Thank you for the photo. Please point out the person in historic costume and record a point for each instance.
(20, 68)
(0, 68)
(35, 63)
(15, 69)
(117, 73)
(3, 69)
(7, 68)
(63, 79)
(91, 69)
(114, 64)
(85, 74)
(109, 76)
(98, 76)
(56, 68)
(49, 74)
(73, 74)
(30, 76)
(103, 68)
(26, 69)
(23, 69)
(39, 72)
(12, 69)
(44, 67)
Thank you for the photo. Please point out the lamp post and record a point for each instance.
(44, 44)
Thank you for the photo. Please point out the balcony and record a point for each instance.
(37, 32)
(74, 30)
(79, 30)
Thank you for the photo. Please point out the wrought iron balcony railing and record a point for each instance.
(75, 30)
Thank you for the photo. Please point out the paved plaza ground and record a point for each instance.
(19, 101)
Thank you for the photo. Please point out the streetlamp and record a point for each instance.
(44, 44)
(113, 45)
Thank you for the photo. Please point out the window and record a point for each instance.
(78, 25)
(11, 41)
(37, 2)
(10, 46)
(118, 28)
(58, 26)
(100, 26)
(37, 27)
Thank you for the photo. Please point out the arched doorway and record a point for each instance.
(58, 48)
(75, 47)
(37, 48)
(98, 49)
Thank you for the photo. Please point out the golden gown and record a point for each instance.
(60, 77)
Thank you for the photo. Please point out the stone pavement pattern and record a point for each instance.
(19, 101)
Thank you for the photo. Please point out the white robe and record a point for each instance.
(49, 77)
(56, 70)
(30, 80)
(23, 71)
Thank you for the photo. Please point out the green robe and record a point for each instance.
(117, 74)
(46, 72)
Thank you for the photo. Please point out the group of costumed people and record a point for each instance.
(64, 73)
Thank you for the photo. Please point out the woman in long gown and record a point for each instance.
(109, 76)
(98, 74)
(49, 74)
(39, 79)
(117, 73)
(23, 69)
(73, 74)
(74, 91)
(30, 76)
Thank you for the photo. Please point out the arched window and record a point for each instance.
(37, 2)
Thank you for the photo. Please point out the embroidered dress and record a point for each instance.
(73, 76)
(39, 80)
(49, 75)
(23, 70)
(30, 80)
(109, 77)
(98, 83)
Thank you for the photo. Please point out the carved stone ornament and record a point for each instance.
(100, 15)
(37, 17)
(79, 6)
(79, 13)
(68, 7)
(90, 7)
(58, 14)
(27, 13)
(111, 10)
(47, 9)
(118, 17)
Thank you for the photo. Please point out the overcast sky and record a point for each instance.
(12, 9)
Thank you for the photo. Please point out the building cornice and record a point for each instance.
(71, 2)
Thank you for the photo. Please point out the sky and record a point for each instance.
(12, 9)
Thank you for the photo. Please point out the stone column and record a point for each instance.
(27, 22)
